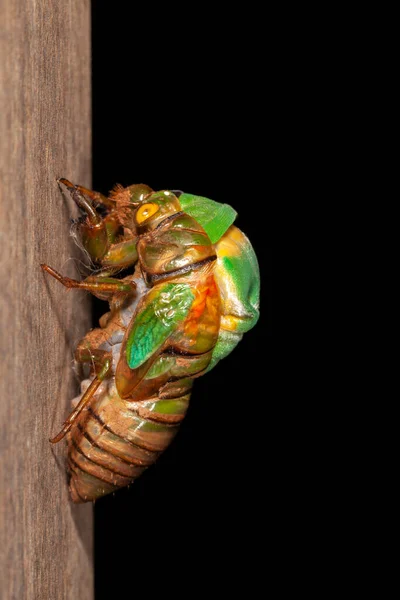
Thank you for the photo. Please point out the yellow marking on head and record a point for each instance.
(146, 211)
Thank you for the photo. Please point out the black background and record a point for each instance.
(165, 115)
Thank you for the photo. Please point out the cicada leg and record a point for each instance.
(93, 230)
(101, 286)
(103, 237)
(102, 361)
(95, 198)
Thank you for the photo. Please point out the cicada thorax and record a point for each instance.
(160, 343)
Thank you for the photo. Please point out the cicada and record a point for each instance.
(183, 285)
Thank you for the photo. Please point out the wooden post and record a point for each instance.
(45, 541)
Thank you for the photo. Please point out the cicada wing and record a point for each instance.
(158, 317)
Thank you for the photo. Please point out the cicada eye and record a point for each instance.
(145, 212)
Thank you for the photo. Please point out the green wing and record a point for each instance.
(165, 307)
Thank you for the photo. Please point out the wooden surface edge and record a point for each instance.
(45, 132)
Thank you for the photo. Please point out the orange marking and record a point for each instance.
(206, 295)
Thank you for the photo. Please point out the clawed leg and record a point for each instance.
(88, 198)
(103, 237)
(101, 286)
(96, 233)
(102, 362)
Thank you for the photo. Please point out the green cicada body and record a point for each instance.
(193, 293)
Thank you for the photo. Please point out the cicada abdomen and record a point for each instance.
(193, 294)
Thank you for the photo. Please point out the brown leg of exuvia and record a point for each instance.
(102, 361)
(92, 284)
(93, 230)
(80, 191)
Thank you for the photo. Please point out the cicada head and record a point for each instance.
(154, 208)
(127, 200)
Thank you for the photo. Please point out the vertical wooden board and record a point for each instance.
(45, 122)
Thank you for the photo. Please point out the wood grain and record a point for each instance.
(45, 541)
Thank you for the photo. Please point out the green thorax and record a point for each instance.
(214, 217)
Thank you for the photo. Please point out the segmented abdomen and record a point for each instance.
(114, 441)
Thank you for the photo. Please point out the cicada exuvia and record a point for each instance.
(192, 291)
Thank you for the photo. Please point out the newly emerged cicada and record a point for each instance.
(193, 293)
